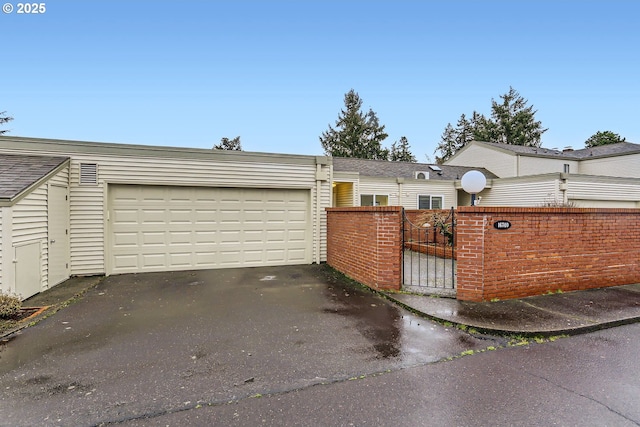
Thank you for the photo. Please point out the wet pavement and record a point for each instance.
(544, 315)
(136, 346)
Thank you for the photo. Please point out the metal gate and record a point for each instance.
(429, 265)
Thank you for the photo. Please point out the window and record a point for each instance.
(430, 202)
(374, 200)
(566, 168)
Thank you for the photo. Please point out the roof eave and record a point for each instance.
(10, 201)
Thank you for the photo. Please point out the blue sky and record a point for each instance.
(275, 72)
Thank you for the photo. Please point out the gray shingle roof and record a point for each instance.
(584, 153)
(18, 172)
(386, 169)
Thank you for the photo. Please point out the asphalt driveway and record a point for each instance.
(142, 345)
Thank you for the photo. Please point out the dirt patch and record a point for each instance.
(23, 315)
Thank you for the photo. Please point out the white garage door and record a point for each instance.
(163, 228)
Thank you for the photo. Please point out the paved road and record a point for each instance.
(140, 347)
(586, 380)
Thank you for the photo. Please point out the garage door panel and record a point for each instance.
(126, 262)
(156, 228)
(295, 236)
(153, 260)
(296, 256)
(125, 239)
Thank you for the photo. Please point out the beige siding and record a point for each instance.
(521, 192)
(406, 193)
(325, 200)
(602, 189)
(388, 187)
(500, 163)
(2, 213)
(622, 166)
(412, 188)
(87, 202)
(539, 165)
(30, 224)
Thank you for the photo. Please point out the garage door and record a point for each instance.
(163, 228)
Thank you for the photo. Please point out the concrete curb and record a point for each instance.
(484, 329)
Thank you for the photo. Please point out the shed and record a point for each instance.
(34, 222)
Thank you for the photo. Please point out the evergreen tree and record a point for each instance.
(356, 134)
(229, 144)
(603, 138)
(401, 152)
(512, 122)
(4, 119)
(453, 139)
(448, 145)
(515, 121)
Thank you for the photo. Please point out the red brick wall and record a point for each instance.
(365, 243)
(545, 250)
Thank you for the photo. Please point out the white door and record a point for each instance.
(28, 266)
(58, 234)
(165, 228)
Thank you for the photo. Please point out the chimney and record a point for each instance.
(567, 149)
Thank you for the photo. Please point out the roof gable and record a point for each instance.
(19, 172)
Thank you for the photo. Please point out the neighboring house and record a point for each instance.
(604, 176)
(359, 182)
(508, 161)
(133, 208)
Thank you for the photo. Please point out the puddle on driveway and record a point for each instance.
(393, 332)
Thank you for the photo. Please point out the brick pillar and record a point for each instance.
(365, 243)
(470, 256)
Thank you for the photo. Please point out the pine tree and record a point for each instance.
(603, 138)
(229, 144)
(401, 152)
(356, 134)
(4, 119)
(512, 122)
(515, 121)
(447, 146)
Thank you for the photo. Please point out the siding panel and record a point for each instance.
(500, 163)
(622, 166)
(87, 202)
(520, 193)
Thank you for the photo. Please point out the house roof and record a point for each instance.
(387, 169)
(618, 149)
(19, 172)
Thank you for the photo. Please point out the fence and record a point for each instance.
(508, 253)
(501, 252)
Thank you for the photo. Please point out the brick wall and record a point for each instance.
(544, 250)
(365, 243)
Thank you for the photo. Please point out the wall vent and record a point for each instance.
(89, 173)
